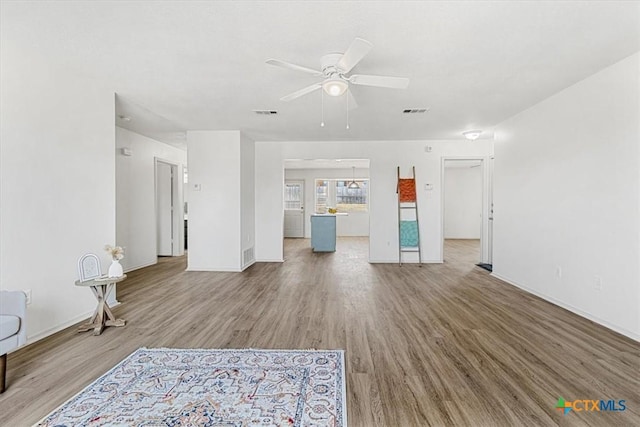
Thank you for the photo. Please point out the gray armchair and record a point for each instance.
(13, 330)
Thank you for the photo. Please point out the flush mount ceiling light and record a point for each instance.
(334, 86)
(472, 135)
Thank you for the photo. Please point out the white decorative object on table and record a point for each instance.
(115, 269)
(117, 253)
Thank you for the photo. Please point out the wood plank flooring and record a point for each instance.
(439, 345)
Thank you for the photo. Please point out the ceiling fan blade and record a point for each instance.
(291, 66)
(358, 49)
(380, 81)
(301, 92)
(352, 101)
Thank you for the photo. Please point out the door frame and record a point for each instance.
(489, 257)
(310, 195)
(484, 234)
(177, 226)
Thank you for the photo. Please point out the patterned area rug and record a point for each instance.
(230, 388)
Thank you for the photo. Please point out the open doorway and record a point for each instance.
(465, 210)
(169, 216)
(326, 190)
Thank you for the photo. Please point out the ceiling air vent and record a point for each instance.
(415, 110)
(265, 112)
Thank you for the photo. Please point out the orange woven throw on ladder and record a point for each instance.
(407, 190)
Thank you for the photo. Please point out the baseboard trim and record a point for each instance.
(64, 325)
(395, 261)
(137, 267)
(270, 260)
(629, 334)
(215, 269)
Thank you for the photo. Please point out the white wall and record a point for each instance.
(248, 196)
(384, 156)
(566, 196)
(135, 196)
(214, 210)
(355, 224)
(222, 212)
(462, 202)
(57, 178)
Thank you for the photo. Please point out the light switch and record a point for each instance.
(428, 187)
(197, 187)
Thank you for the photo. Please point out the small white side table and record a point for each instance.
(101, 288)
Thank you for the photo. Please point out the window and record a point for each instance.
(335, 193)
(292, 196)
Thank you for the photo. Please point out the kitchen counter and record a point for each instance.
(323, 232)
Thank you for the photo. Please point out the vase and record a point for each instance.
(115, 269)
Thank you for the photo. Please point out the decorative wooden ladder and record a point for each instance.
(408, 228)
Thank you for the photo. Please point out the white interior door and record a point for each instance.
(490, 230)
(164, 208)
(294, 209)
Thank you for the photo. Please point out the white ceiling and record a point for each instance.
(137, 118)
(201, 65)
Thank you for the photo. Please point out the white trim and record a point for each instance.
(138, 267)
(629, 334)
(269, 260)
(214, 269)
(395, 261)
(63, 325)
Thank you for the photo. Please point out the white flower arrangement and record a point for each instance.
(116, 252)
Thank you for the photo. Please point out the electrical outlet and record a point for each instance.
(28, 292)
(598, 283)
(559, 272)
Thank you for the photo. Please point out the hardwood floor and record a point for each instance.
(445, 344)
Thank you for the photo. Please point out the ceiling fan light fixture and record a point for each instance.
(334, 86)
(472, 135)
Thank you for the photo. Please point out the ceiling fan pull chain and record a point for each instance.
(322, 108)
(347, 111)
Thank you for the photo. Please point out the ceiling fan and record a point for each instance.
(334, 70)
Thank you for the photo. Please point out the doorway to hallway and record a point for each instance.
(466, 208)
